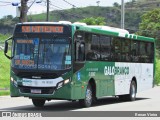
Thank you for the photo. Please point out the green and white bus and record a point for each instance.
(65, 61)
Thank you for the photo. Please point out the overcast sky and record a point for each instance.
(6, 7)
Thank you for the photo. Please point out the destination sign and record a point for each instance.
(45, 29)
(25, 41)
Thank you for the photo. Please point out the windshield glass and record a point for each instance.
(42, 54)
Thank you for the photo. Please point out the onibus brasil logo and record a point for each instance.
(116, 70)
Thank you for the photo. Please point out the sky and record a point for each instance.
(6, 7)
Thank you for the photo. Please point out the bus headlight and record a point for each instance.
(14, 82)
(66, 81)
(60, 84)
(12, 79)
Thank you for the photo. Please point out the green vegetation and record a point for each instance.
(150, 25)
(4, 74)
(157, 75)
(4, 92)
(8, 21)
(134, 9)
(94, 21)
(3, 37)
(4, 69)
(111, 15)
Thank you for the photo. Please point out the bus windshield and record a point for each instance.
(42, 53)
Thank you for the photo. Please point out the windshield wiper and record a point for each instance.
(25, 35)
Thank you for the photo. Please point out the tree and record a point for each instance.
(150, 25)
(94, 21)
(115, 4)
(9, 17)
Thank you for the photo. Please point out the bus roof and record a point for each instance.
(105, 30)
(45, 23)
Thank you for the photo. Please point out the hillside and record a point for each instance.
(112, 15)
(76, 14)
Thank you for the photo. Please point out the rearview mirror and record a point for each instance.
(6, 47)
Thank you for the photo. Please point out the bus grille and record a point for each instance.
(49, 90)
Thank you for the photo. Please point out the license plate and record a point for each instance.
(36, 91)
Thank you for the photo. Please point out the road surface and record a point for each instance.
(146, 101)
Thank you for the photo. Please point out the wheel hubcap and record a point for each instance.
(88, 96)
(133, 91)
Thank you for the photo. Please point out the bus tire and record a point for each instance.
(87, 101)
(132, 91)
(38, 102)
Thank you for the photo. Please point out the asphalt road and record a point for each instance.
(146, 101)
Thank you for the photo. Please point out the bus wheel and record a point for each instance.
(87, 101)
(38, 102)
(132, 94)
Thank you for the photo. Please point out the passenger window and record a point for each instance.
(134, 51)
(79, 46)
(93, 50)
(117, 47)
(143, 52)
(146, 51)
(151, 52)
(105, 47)
(125, 50)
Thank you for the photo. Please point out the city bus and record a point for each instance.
(78, 62)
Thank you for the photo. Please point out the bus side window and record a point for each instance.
(134, 51)
(105, 48)
(79, 46)
(81, 52)
(125, 50)
(117, 49)
(112, 53)
(149, 52)
(152, 53)
(144, 52)
(93, 49)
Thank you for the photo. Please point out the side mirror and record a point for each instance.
(6, 47)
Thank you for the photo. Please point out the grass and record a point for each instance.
(4, 75)
(3, 37)
(157, 74)
(4, 92)
(4, 69)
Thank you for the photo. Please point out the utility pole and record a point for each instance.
(23, 15)
(47, 19)
(122, 14)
